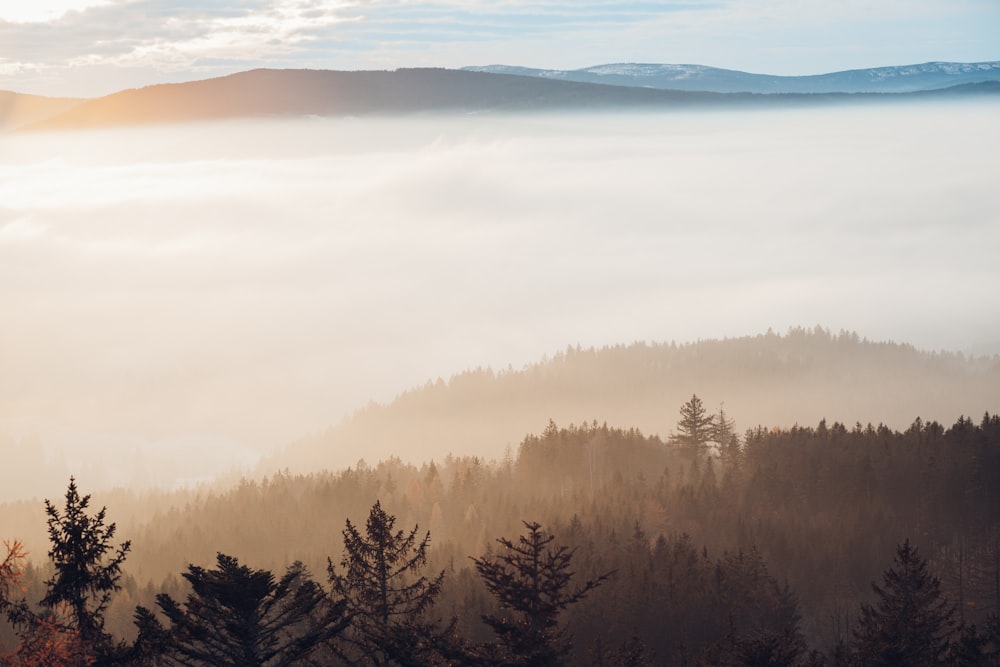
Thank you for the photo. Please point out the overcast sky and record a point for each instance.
(94, 47)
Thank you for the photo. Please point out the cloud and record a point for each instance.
(41, 10)
(166, 36)
(174, 34)
(188, 282)
(128, 43)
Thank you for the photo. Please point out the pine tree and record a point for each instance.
(236, 616)
(723, 429)
(530, 580)
(386, 596)
(695, 429)
(912, 622)
(87, 571)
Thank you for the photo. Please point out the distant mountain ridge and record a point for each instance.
(277, 93)
(267, 93)
(896, 79)
(17, 109)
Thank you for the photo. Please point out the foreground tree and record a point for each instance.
(87, 570)
(43, 640)
(87, 567)
(530, 580)
(236, 616)
(911, 622)
(387, 597)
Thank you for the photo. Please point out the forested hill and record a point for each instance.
(769, 379)
(299, 93)
(776, 538)
(266, 93)
(728, 542)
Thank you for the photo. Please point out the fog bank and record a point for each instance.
(178, 300)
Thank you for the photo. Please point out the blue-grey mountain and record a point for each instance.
(266, 93)
(899, 79)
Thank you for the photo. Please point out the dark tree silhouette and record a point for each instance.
(723, 429)
(695, 429)
(975, 647)
(236, 616)
(386, 596)
(911, 622)
(771, 649)
(530, 580)
(43, 641)
(87, 572)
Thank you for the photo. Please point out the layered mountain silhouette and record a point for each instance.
(297, 93)
(900, 79)
(276, 93)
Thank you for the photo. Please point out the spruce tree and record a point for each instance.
(87, 571)
(530, 580)
(236, 616)
(911, 622)
(386, 596)
(695, 429)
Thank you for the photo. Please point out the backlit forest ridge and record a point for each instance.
(801, 376)
(592, 545)
(442, 367)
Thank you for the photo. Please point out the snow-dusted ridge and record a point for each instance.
(895, 79)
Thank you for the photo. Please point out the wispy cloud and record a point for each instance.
(168, 37)
(165, 27)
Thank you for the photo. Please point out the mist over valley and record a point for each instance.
(319, 346)
(185, 299)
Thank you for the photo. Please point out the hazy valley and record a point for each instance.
(242, 310)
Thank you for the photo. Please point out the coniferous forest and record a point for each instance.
(441, 333)
(589, 544)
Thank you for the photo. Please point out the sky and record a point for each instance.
(94, 47)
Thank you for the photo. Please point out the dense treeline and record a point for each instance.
(730, 548)
(800, 376)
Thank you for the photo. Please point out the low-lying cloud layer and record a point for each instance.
(227, 288)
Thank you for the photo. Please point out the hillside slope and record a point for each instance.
(263, 93)
(769, 380)
(266, 93)
(17, 109)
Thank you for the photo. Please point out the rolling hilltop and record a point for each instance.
(298, 93)
(770, 380)
(785, 527)
(291, 93)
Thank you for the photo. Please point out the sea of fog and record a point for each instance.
(177, 300)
